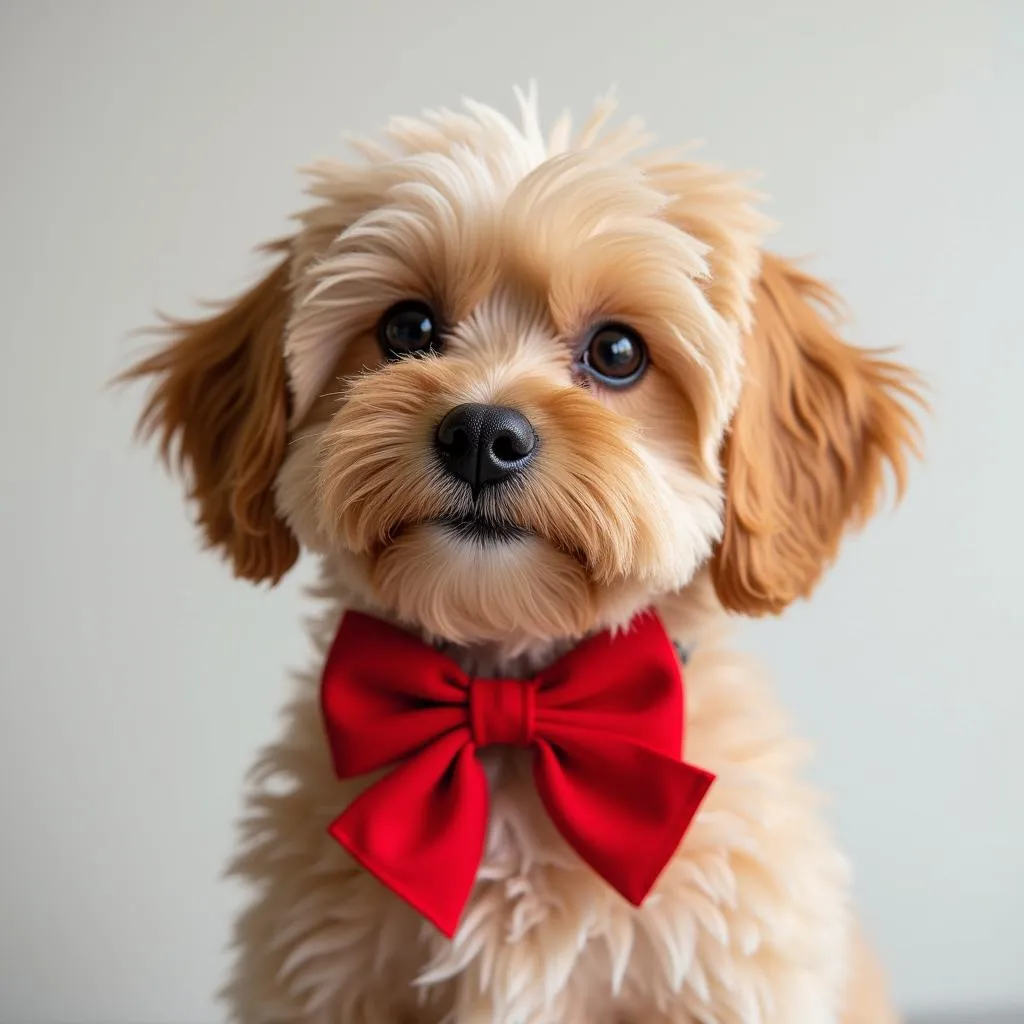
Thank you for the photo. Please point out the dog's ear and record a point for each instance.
(219, 411)
(818, 426)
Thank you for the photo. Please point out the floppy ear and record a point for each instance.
(219, 410)
(818, 423)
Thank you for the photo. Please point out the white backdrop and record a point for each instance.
(148, 147)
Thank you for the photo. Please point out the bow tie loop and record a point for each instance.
(503, 711)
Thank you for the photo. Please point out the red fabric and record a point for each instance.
(605, 724)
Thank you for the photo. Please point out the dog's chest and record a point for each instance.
(543, 938)
(747, 915)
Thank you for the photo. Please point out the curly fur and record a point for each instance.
(723, 481)
(820, 423)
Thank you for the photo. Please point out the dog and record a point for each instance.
(515, 391)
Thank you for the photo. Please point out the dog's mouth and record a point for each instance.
(482, 529)
(485, 528)
(474, 526)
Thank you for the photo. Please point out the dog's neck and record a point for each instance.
(492, 660)
(686, 616)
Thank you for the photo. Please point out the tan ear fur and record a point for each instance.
(819, 422)
(219, 410)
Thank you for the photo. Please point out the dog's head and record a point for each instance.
(519, 387)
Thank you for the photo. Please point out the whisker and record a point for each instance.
(302, 437)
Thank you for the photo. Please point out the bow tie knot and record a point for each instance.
(502, 711)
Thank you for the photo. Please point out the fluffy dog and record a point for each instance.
(512, 389)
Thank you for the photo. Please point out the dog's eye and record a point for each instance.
(408, 328)
(616, 355)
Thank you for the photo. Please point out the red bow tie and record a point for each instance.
(605, 724)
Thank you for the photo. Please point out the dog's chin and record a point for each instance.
(471, 580)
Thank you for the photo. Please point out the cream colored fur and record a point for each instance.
(750, 923)
(525, 240)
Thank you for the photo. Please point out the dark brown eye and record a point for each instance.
(408, 328)
(616, 356)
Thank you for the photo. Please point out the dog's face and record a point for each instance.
(517, 389)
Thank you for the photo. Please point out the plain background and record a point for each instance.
(148, 147)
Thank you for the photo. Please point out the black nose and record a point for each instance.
(483, 444)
